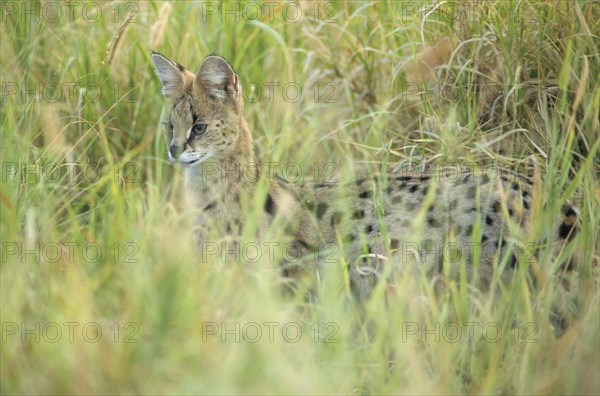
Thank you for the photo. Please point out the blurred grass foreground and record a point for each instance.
(102, 289)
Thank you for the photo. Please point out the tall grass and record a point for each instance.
(95, 233)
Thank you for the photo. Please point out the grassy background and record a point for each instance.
(511, 83)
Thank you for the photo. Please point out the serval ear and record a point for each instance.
(172, 75)
(217, 79)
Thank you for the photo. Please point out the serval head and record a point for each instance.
(205, 121)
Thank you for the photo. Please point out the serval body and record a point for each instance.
(431, 221)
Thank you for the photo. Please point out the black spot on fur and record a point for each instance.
(336, 219)
(469, 230)
(526, 204)
(210, 206)
(270, 205)
(566, 231)
(414, 188)
(403, 178)
(305, 245)
(368, 229)
(433, 222)
(321, 209)
(513, 262)
(489, 220)
(472, 192)
(453, 204)
(394, 244)
(484, 238)
(359, 214)
(497, 206)
(365, 194)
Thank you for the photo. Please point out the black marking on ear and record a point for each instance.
(270, 205)
(570, 212)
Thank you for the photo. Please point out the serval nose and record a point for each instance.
(175, 151)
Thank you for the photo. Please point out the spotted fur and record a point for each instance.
(426, 222)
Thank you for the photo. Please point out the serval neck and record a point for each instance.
(221, 178)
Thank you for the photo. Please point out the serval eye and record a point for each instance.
(199, 129)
